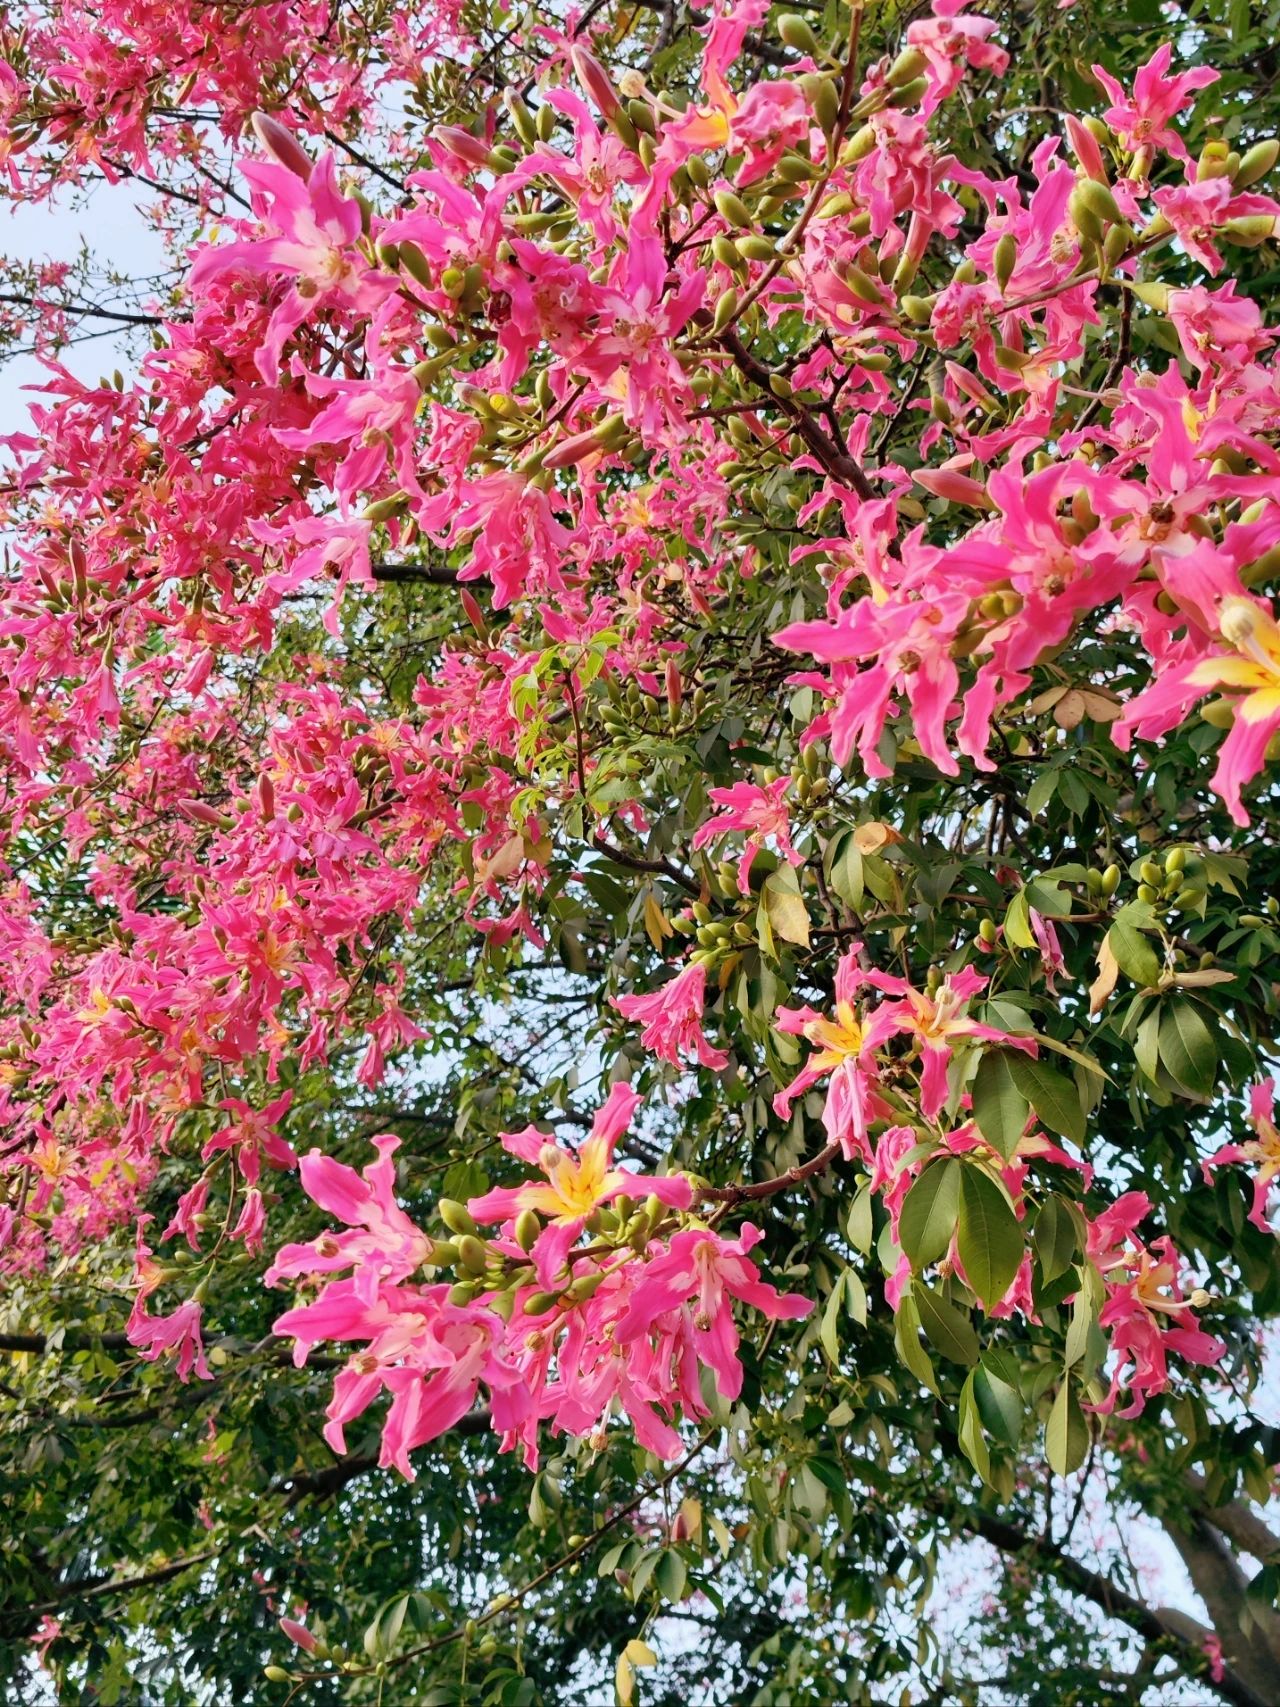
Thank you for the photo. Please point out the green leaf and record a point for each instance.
(1055, 1238)
(929, 1213)
(972, 1441)
(1066, 1438)
(671, 1576)
(1135, 956)
(844, 869)
(906, 1337)
(948, 1330)
(1053, 1096)
(990, 1238)
(999, 1107)
(859, 1226)
(1000, 1405)
(1188, 1050)
(830, 1319)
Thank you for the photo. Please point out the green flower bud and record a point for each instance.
(456, 1216)
(731, 208)
(528, 1226)
(797, 34)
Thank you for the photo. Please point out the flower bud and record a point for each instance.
(797, 34)
(1255, 163)
(731, 208)
(1111, 880)
(281, 145)
(456, 1216)
(1249, 230)
(1005, 260)
(472, 1253)
(906, 67)
(527, 1229)
(595, 80)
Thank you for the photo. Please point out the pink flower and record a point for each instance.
(758, 811)
(314, 230)
(179, 1332)
(1141, 121)
(1261, 1152)
(672, 1019)
(845, 1049)
(383, 1244)
(1251, 669)
(702, 1272)
(575, 1183)
(934, 1021)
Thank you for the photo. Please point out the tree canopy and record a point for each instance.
(638, 859)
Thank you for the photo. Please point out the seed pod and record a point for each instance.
(456, 1216)
(1150, 872)
(755, 248)
(987, 932)
(526, 127)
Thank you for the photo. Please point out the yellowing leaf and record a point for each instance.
(1108, 971)
(788, 915)
(640, 1653)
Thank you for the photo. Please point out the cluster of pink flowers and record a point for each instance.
(555, 1331)
(257, 847)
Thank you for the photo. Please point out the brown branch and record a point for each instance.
(768, 1187)
(1174, 1631)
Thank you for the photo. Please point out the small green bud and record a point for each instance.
(1256, 162)
(731, 208)
(1005, 259)
(797, 34)
(472, 1253)
(528, 1226)
(1176, 859)
(456, 1216)
(1111, 880)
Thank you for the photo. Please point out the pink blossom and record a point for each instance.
(672, 1019)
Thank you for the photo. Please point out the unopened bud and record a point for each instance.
(1005, 259)
(1256, 162)
(281, 145)
(797, 34)
(596, 81)
(456, 1216)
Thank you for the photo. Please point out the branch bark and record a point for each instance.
(1176, 1633)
